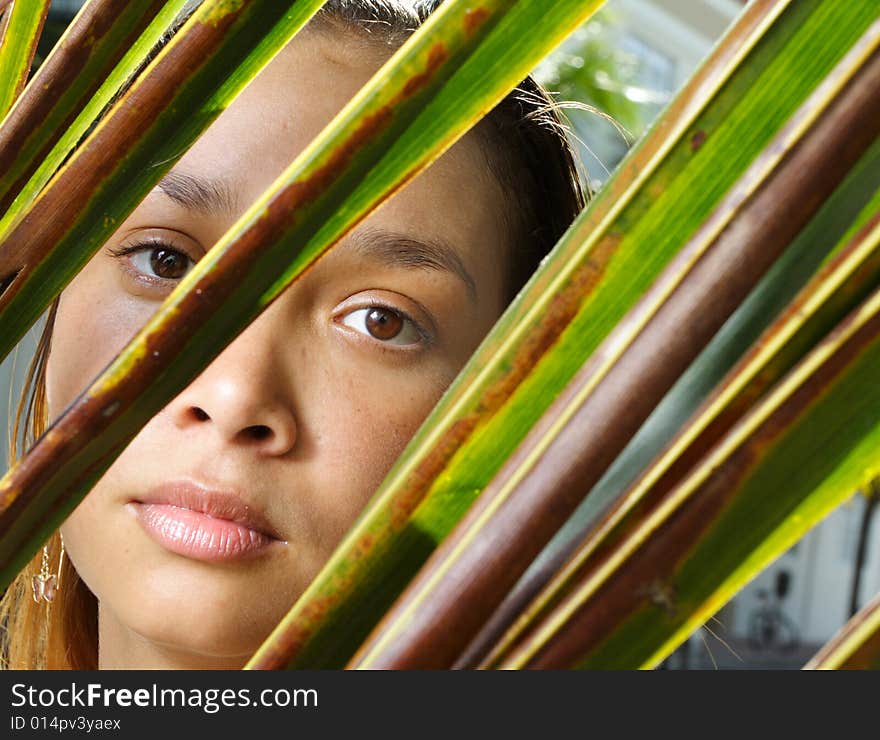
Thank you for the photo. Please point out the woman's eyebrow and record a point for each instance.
(211, 197)
(401, 250)
(215, 197)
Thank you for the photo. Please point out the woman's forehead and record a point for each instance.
(455, 200)
(289, 102)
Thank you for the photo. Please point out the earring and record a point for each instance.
(47, 584)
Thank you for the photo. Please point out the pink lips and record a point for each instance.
(203, 524)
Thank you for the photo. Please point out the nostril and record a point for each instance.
(199, 414)
(261, 431)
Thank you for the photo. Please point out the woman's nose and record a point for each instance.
(243, 396)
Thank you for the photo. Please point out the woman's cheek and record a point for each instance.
(92, 325)
(89, 535)
(372, 430)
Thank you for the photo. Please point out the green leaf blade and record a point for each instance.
(102, 39)
(21, 28)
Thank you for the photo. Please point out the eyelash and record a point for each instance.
(150, 245)
(425, 338)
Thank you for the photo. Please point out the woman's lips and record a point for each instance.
(203, 524)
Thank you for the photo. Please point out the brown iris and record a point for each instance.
(383, 323)
(168, 263)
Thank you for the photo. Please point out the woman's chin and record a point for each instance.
(201, 645)
(198, 619)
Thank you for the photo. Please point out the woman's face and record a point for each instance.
(299, 419)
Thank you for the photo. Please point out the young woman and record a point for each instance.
(217, 515)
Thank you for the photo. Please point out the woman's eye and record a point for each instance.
(157, 260)
(384, 324)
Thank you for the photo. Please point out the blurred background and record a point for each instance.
(625, 65)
